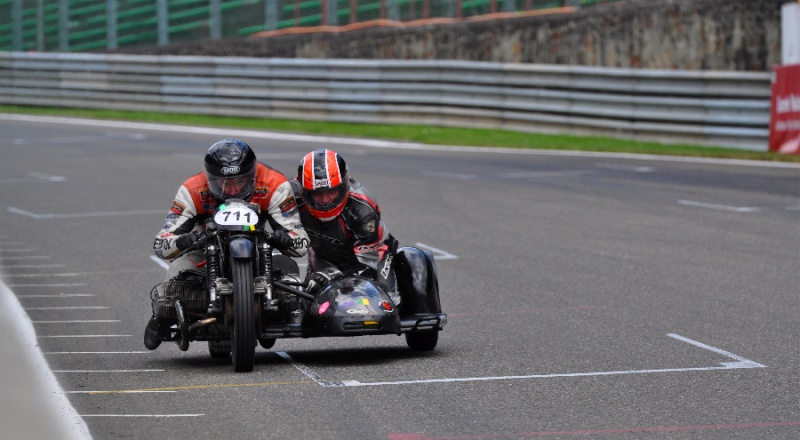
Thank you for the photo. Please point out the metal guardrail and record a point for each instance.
(700, 107)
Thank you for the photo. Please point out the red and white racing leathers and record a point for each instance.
(194, 203)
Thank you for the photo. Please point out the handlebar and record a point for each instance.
(204, 236)
(211, 231)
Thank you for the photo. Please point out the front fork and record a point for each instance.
(264, 280)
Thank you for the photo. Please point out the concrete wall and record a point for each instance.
(671, 34)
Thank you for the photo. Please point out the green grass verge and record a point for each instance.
(420, 133)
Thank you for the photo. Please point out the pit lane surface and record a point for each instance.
(589, 296)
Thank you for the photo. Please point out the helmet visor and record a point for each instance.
(326, 200)
(232, 187)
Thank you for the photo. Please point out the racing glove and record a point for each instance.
(186, 240)
(281, 240)
(320, 279)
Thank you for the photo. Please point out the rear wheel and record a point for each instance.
(243, 334)
(422, 341)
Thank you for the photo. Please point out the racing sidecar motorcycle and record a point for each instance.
(248, 295)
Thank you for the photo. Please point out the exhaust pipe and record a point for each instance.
(200, 324)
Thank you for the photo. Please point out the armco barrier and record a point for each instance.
(701, 107)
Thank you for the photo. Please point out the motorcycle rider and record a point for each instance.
(343, 222)
(231, 171)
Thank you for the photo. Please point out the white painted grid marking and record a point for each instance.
(78, 321)
(85, 336)
(537, 174)
(83, 214)
(742, 363)
(60, 295)
(98, 352)
(143, 415)
(719, 207)
(33, 177)
(438, 254)
(120, 392)
(108, 371)
(33, 266)
(68, 308)
(160, 262)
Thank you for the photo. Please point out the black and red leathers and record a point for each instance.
(355, 241)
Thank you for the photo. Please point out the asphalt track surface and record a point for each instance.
(590, 296)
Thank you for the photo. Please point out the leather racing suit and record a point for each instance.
(194, 203)
(356, 241)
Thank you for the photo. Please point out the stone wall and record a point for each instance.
(662, 34)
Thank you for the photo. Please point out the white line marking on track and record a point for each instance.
(307, 371)
(33, 177)
(720, 207)
(108, 371)
(83, 321)
(449, 175)
(48, 275)
(635, 169)
(438, 254)
(98, 352)
(85, 336)
(159, 261)
(142, 415)
(68, 308)
(32, 266)
(30, 257)
(535, 174)
(82, 214)
(118, 392)
(60, 295)
(741, 363)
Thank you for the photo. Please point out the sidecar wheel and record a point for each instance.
(266, 343)
(422, 341)
(219, 351)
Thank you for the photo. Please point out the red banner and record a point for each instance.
(784, 124)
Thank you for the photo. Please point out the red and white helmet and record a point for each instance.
(322, 175)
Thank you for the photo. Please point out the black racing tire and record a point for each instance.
(243, 331)
(422, 341)
(266, 343)
(219, 351)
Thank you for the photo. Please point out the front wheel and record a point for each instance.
(422, 341)
(243, 334)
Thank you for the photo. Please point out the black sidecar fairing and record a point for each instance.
(351, 306)
(418, 284)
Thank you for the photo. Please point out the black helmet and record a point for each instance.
(324, 184)
(231, 170)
